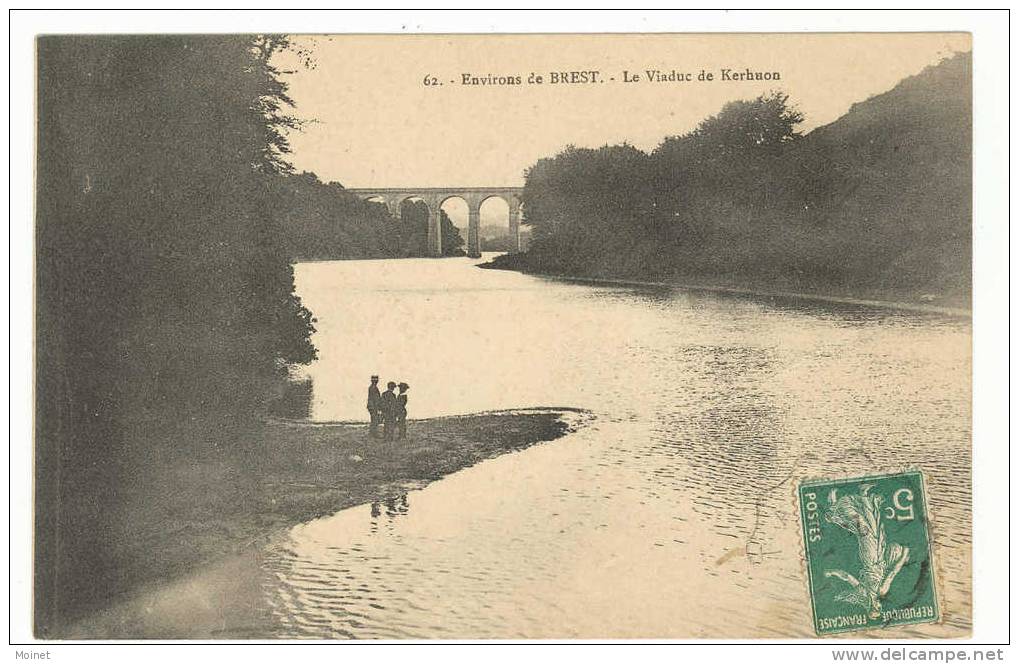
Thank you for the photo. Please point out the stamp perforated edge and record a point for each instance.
(882, 632)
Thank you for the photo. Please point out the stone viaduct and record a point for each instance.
(434, 197)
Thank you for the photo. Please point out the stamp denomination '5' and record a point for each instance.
(868, 552)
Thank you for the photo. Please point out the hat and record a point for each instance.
(374, 377)
(390, 384)
(404, 386)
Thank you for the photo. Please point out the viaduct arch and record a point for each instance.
(434, 197)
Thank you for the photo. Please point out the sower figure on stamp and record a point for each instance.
(389, 411)
(374, 407)
(401, 411)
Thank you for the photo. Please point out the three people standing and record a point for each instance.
(390, 408)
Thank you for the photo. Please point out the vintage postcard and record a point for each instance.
(503, 336)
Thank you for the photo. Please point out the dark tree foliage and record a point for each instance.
(154, 216)
(761, 125)
(578, 201)
(413, 228)
(323, 222)
(163, 295)
(414, 231)
(877, 202)
(452, 242)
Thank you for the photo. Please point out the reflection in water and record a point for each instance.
(395, 506)
(672, 513)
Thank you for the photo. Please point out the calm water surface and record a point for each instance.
(669, 513)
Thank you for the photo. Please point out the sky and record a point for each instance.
(374, 123)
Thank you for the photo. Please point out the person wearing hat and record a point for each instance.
(374, 407)
(389, 411)
(401, 411)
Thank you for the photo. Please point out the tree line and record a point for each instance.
(323, 221)
(167, 220)
(161, 275)
(874, 203)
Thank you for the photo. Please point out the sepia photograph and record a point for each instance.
(459, 336)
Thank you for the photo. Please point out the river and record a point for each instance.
(668, 512)
(671, 513)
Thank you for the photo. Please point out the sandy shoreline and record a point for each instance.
(197, 514)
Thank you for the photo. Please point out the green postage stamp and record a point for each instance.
(868, 552)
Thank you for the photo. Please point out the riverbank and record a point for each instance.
(952, 307)
(184, 512)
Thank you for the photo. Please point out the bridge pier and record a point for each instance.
(514, 226)
(474, 229)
